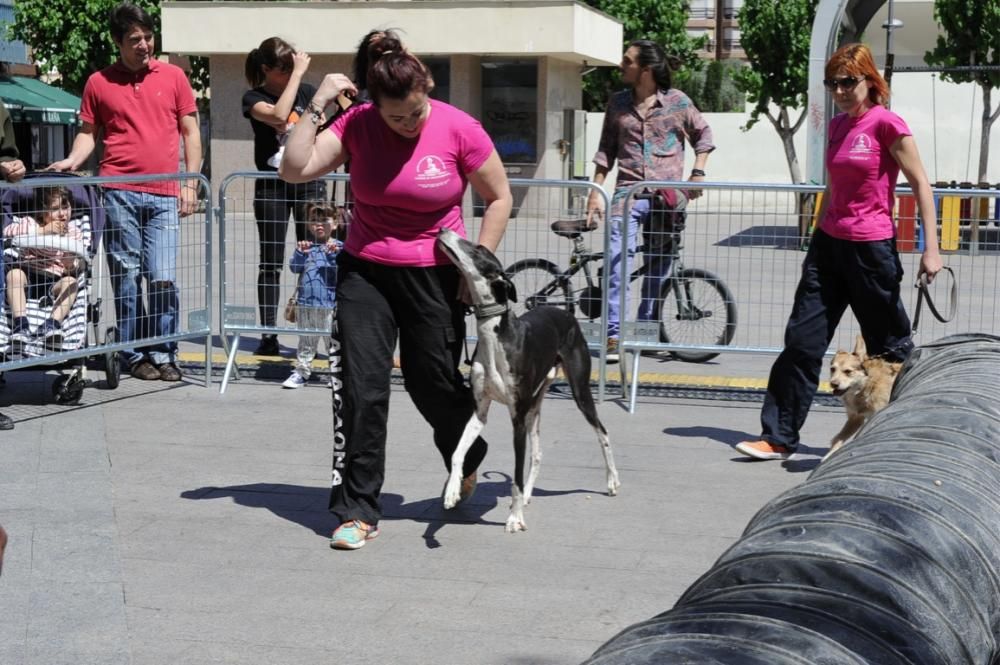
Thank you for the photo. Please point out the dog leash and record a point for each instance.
(923, 293)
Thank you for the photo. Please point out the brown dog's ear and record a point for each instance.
(860, 349)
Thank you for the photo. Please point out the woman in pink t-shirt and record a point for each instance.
(852, 259)
(411, 159)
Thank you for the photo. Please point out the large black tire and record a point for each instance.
(537, 284)
(697, 308)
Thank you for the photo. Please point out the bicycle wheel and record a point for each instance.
(696, 308)
(538, 282)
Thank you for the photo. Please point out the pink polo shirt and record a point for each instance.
(407, 189)
(863, 175)
(140, 114)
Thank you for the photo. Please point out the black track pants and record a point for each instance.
(835, 274)
(376, 305)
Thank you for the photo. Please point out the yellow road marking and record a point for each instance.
(244, 360)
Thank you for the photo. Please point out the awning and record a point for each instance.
(30, 100)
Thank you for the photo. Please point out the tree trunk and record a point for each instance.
(989, 117)
(786, 132)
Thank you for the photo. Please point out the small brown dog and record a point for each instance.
(863, 384)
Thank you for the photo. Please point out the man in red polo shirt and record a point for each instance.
(141, 107)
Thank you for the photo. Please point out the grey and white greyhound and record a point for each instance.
(514, 363)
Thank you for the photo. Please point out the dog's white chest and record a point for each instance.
(491, 372)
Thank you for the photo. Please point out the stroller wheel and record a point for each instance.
(67, 389)
(112, 366)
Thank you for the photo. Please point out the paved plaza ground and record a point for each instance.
(168, 524)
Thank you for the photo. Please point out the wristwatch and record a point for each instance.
(698, 172)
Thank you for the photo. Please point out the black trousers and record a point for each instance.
(835, 274)
(376, 306)
(273, 202)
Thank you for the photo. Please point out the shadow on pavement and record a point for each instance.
(307, 506)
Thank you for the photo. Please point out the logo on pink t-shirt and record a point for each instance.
(862, 144)
(432, 172)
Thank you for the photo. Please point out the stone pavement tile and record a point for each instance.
(18, 496)
(81, 621)
(69, 496)
(80, 551)
(15, 601)
(200, 652)
(263, 622)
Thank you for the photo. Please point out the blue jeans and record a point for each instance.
(657, 268)
(141, 239)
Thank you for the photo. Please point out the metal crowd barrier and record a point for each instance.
(753, 237)
(253, 203)
(90, 329)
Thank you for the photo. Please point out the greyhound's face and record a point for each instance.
(482, 270)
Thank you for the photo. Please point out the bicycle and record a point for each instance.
(694, 306)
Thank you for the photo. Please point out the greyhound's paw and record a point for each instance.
(452, 493)
(515, 524)
(613, 485)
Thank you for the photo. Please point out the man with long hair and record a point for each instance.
(644, 130)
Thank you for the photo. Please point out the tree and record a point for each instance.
(777, 81)
(971, 37)
(72, 37)
(662, 21)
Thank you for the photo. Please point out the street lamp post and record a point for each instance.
(892, 23)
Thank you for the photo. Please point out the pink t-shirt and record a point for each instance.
(863, 175)
(406, 189)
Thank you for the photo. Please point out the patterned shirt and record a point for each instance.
(650, 148)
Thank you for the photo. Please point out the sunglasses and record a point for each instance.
(845, 83)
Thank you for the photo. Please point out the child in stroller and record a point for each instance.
(51, 232)
(49, 256)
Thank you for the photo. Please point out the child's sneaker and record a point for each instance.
(20, 334)
(51, 332)
(296, 380)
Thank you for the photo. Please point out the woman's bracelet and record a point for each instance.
(315, 112)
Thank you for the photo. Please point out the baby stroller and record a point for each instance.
(76, 249)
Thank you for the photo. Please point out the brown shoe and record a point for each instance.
(145, 370)
(169, 372)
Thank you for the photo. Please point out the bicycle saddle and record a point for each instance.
(572, 228)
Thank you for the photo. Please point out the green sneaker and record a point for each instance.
(353, 535)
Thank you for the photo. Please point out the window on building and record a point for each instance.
(702, 9)
(510, 109)
(441, 73)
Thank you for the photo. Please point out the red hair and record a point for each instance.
(856, 59)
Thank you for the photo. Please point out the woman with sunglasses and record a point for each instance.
(276, 101)
(852, 259)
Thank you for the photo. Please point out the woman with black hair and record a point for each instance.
(412, 159)
(276, 101)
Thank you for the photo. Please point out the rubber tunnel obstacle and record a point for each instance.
(889, 553)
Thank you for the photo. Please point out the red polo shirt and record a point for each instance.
(140, 113)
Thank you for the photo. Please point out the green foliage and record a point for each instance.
(663, 21)
(971, 34)
(971, 37)
(72, 37)
(775, 35)
(713, 90)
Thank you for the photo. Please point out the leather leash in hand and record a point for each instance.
(923, 293)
